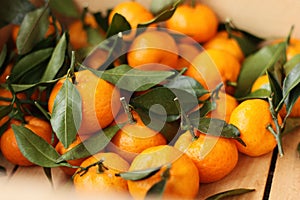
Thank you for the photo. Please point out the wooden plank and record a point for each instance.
(249, 173)
(286, 179)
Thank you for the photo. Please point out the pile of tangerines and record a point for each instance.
(187, 51)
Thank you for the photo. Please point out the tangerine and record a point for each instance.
(199, 22)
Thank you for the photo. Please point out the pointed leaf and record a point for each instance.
(277, 62)
(163, 16)
(29, 62)
(158, 6)
(66, 7)
(187, 84)
(254, 66)
(291, 99)
(276, 91)
(5, 110)
(157, 190)
(2, 171)
(3, 55)
(48, 173)
(66, 115)
(257, 94)
(57, 59)
(94, 36)
(215, 127)
(292, 80)
(166, 125)
(229, 193)
(23, 87)
(34, 148)
(14, 11)
(290, 64)
(32, 30)
(118, 24)
(128, 78)
(92, 145)
(247, 42)
(165, 98)
(102, 19)
(139, 174)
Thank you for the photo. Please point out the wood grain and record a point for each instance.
(286, 180)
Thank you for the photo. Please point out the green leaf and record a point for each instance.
(169, 126)
(277, 62)
(102, 19)
(66, 115)
(14, 11)
(118, 24)
(164, 97)
(3, 171)
(66, 7)
(131, 79)
(207, 107)
(139, 174)
(163, 16)
(92, 145)
(229, 193)
(32, 30)
(29, 62)
(34, 148)
(254, 66)
(290, 64)
(257, 94)
(247, 42)
(48, 174)
(57, 59)
(215, 127)
(4, 127)
(276, 91)
(292, 98)
(114, 45)
(5, 110)
(158, 6)
(23, 87)
(3, 55)
(94, 36)
(291, 80)
(187, 84)
(157, 190)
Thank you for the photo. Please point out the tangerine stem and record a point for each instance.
(193, 3)
(43, 111)
(127, 110)
(15, 100)
(277, 133)
(278, 140)
(185, 118)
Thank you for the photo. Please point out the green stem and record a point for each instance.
(230, 83)
(184, 118)
(278, 140)
(127, 110)
(193, 3)
(43, 111)
(16, 101)
(277, 133)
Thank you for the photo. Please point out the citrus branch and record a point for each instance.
(184, 118)
(277, 133)
(127, 110)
